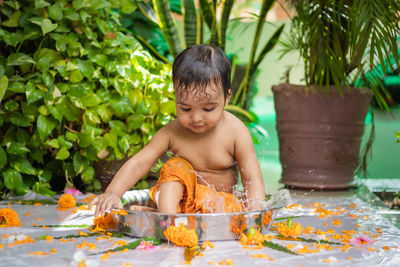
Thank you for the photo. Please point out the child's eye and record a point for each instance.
(185, 109)
(209, 109)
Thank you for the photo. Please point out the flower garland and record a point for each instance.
(9, 218)
(182, 236)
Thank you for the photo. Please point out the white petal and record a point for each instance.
(79, 256)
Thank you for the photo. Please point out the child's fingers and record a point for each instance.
(93, 202)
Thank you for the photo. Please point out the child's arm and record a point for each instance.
(131, 172)
(249, 168)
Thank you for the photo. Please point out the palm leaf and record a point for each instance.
(167, 25)
(225, 13)
(189, 22)
(147, 11)
(152, 50)
(207, 13)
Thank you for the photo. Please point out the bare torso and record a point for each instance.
(211, 154)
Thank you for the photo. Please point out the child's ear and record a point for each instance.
(228, 96)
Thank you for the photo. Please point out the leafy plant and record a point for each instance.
(194, 20)
(339, 41)
(398, 136)
(76, 90)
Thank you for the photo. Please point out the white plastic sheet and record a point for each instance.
(367, 208)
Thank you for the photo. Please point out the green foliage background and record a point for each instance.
(76, 90)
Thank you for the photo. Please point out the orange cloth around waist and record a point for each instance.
(196, 197)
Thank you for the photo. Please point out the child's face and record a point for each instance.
(202, 111)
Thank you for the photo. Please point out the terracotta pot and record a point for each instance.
(319, 135)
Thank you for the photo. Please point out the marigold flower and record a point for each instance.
(252, 238)
(9, 218)
(289, 228)
(104, 222)
(66, 201)
(181, 235)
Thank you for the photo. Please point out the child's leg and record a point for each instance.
(170, 194)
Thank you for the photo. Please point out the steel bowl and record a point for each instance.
(208, 226)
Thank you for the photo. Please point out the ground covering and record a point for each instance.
(319, 228)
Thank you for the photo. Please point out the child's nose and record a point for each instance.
(196, 116)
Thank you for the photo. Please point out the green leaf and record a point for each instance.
(80, 163)
(13, 21)
(19, 120)
(45, 125)
(100, 4)
(63, 153)
(123, 143)
(47, 26)
(119, 127)
(17, 148)
(103, 26)
(18, 59)
(11, 105)
(56, 11)
(17, 87)
(127, 6)
(3, 157)
(121, 104)
(78, 4)
(75, 76)
(88, 175)
(23, 165)
(278, 247)
(12, 179)
(133, 245)
(100, 59)
(3, 86)
(43, 189)
(85, 67)
(44, 176)
(54, 143)
(41, 3)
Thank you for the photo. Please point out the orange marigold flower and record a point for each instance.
(181, 235)
(104, 222)
(336, 222)
(66, 201)
(253, 237)
(289, 228)
(9, 218)
(386, 248)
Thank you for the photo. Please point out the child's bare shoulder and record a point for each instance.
(234, 124)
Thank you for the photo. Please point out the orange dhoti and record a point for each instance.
(196, 197)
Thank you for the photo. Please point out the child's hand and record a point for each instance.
(254, 205)
(105, 202)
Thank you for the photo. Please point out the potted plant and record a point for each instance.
(320, 125)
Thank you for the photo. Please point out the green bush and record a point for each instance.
(77, 90)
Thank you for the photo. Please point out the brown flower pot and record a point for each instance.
(319, 135)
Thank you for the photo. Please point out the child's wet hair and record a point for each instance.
(199, 67)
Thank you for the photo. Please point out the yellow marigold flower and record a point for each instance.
(66, 201)
(104, 222)
(9, 218)
(289, 228)
(181, 235)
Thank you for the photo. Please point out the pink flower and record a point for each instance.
(361, 240)
(144, 245)
(74, 192)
